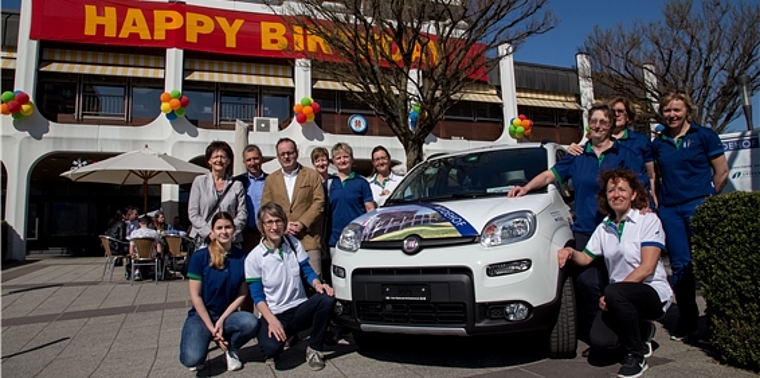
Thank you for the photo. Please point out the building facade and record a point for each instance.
(95, 98)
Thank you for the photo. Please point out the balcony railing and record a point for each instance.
(106, 106)
(232, 110)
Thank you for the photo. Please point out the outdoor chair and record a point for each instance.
(144, 248)
(174, 252)
(111, 258)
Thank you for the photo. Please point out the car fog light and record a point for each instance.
(338, 308)
(511, 267)
(338, 271)
(516, 311)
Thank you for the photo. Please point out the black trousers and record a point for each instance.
(314, 313)
(590, 281)
(628, 304)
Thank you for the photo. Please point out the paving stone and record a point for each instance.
(28, 301)
(14, 338)
(59, 301)
(121, 295)
(149, 292)
(91, 298)
(81, 366)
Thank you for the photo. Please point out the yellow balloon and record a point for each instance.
(310, 118)
(517, 122)
(165, 107)
(27, 109)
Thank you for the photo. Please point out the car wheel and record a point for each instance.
(562, 340)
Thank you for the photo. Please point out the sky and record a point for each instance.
(576, 21)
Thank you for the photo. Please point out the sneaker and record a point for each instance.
(633, 367)
(197, 368)
(648, 329)
(684, 333)
(233, 362)
(138, 276)
(315, 359)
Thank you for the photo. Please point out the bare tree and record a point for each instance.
(699, 48)
(392, 54)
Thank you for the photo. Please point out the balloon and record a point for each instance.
(307, 110)
(17, 91)
(184, 101)
(301, 118)
(522, 117)
(305, 101)
(8, 96)
(165, 107)
(171, 116)
(512, 129)
(516, 122)
(14, 106)
(17, 115)
(527, 132)
(176, 93)
(519, 135)
(22, 98)
(4, 109)
(180, 112)
(519, 130)
(310, 118)
(530, 124)
(297, 108)
(525, 123)
(165, 97)
(27, 109)
(416, 108)
(315, 107)
(175, 104)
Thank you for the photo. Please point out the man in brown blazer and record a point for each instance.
(298, 190)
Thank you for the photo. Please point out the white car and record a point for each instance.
(450, 254)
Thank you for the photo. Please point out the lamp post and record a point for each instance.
(743, 81)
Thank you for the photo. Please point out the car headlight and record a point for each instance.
(509, 228)
(351, 237)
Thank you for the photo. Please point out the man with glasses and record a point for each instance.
(298, 190)
(253, 181)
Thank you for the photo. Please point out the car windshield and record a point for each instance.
(481, 173)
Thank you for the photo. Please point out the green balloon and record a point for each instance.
(305, 101)
(8, 96)
(519, 130)
(17, 115)
(519, 134)
(180, 112)
(416, 108)
(512, 129)
(176, 93)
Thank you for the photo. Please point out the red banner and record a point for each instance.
(167, 25)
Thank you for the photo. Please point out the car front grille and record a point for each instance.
(412, 313)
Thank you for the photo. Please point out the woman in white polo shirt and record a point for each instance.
(273, 270)
(630, 243)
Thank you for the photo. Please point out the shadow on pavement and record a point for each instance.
(38, 347)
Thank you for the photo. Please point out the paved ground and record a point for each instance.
(60, 320)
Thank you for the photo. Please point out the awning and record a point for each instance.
(236, 78)
(555, 104)
(9, 63)
(481, 97)
(108, 59)
(92, 69)
(334, 85)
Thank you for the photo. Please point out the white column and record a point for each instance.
(170, 201)
(174, 73)
(16, 201)
(27, 56)
(585, 84)
(241, 140)
(651, 82)
(302, 79)
(413, 84)
(508, 90)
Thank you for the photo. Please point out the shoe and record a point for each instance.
(648, 330)
(315, 359)
(138, 276)
(233, 362)
(685, 332)
(197, 368)
(586, 352)
(633, 367)
(290, 342)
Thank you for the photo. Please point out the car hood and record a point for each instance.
(462, 218)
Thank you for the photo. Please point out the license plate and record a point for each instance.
(418, 293)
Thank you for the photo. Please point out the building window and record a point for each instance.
(7, 80)
(237, 104)
(327, 100)
(277, 105)
(200, 111)
(57, 100)
(461, 110)
(104, 97)
(349, 103)
(487, 111)
(145, 102)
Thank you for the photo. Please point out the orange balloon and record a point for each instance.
(527, 132)
(175, 104)
(297, 108)
(308, 110)
(4, 109)
(166, 97)
(525, 123)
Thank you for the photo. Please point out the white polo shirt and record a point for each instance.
(621, 248)
(391, 182)
(280, 274)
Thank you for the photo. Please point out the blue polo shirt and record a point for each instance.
(347, 200)
(254, 187)
(642, 152)
(219, 287)
(584, 169)
(685, 170)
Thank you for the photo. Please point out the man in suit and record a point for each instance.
(299, 191)
(253, 181)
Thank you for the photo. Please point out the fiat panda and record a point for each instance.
(450, 254)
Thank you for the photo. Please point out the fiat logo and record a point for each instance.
(411, 245)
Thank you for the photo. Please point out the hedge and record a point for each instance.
(726, 255)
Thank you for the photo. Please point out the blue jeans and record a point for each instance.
(678, 233)
(314, 313)
(239, 328)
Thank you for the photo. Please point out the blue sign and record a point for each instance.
(357, 124)
(741, 144)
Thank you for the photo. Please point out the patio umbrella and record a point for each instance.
(142, 167)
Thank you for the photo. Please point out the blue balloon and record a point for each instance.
(413, 116)
(171, 116)
(17, 91)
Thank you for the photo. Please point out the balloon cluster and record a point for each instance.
(520, 126)
(173, 104)
(414, 115)
(305, 110)
(16, 104)
(659, 129)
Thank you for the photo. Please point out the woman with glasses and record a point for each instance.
(214, 192)
(692, 167)
(274, 271)
(600, 153)
(383, 181)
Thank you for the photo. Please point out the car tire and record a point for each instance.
(563, 343)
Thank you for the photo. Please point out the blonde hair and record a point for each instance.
(677, 96)
(215, 249)
(340, 146)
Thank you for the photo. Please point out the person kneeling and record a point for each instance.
(273, 270)
(630, 243)
(217, 288)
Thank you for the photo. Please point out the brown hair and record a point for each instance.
(604, 108)
(615, 175)
(318, 153)
(630, 112)
(680, 96)
(273, 210)
(215, 249)
(219, 145)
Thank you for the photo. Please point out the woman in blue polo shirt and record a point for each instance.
(692, 166)
(600, 153)
(349, 194)
(217, 289)
(630, 243)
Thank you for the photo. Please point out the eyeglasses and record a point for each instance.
(384, 158)
(601, 122)
(273, 222)
(287, 153)
(219, 157)
(620, 111)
